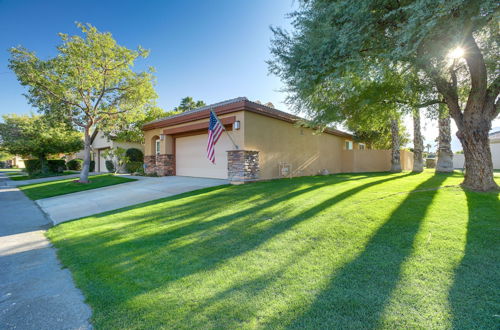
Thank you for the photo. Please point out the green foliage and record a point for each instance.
(32, 166)
(56, 165)
(36, 136)
(134, 167)
(134, 155)
(89, 83)
(110, 166)
(92, 166)
(5, 155)
(118, 157)
(75, 164)
(188, 103)
(132, 131)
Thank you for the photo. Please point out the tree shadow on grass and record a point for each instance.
(357, 293)
(151, 261)
(475, 294)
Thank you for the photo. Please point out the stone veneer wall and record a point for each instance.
(162, 165)
(242, 165)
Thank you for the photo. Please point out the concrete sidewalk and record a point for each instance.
(35, 293)
(85, 203)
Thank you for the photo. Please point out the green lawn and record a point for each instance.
(342, 251)
(17, 177)
(10, 170)
(68, 186)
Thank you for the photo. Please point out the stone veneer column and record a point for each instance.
(150, 162)
(242, 165)
(165, 165)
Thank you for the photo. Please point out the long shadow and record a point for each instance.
(240, 234)
(475, 294)
(357, 293)
(212, 249)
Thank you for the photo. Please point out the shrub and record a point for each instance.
(135, 155)
(133, 167)
(32, 166)
(92, 166)
(110, 166)
(3, 164)
(75, 164)
(56, 165)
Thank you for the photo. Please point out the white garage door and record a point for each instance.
(191, 157)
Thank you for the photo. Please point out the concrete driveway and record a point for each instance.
(85, 203)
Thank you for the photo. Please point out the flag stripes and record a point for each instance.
(215, 130)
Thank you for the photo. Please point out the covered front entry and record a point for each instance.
(191, 156)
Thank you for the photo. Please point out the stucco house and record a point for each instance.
(99, 144)
(261, 143)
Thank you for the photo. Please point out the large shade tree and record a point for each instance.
(452, 44)
(38, 137)
(90, 83)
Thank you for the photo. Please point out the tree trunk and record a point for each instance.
(395, 155)
(43, 164)
(478, 163)
(418, 143)
(84, 174)
(444, 154)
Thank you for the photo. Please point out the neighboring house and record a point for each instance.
(268, 145)
(100, 144)
(16, 161)
(458, 159)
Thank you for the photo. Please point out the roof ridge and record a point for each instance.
(205, 107)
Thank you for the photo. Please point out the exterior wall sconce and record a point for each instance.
(162, 137)
(236, 125)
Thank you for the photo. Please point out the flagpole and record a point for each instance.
(229, 135)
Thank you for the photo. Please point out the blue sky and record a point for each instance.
(211, 50)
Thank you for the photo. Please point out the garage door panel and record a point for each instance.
(191, 157)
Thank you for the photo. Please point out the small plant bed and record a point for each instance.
(62, 187)
(39, 175)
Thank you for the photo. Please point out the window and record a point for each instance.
(158, 147)
(361, 146)
(348, 145)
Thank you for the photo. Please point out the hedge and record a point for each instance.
(133, 167)
(110, 166)
(32, 166)
(134, 155)
(56, 165)
(75, 164)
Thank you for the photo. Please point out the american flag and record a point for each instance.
(215, 129)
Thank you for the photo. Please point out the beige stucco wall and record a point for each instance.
(495, 153)
(278, 141)
(166, 146)
(354, 161)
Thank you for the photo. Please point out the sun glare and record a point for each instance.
(456, 53)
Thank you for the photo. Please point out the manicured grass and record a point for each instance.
(39, 176)
(10, 170)
(342, 251)
(16, 173)
(68, 186)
